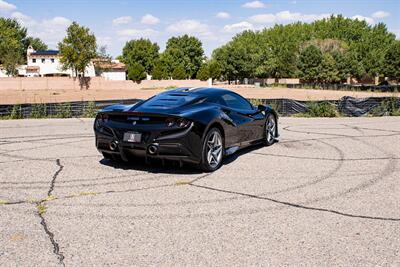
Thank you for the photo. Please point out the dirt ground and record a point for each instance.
(53, 96)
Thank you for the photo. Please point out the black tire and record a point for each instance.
(211, 161)
(270, 129)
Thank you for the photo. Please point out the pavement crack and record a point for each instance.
(50, 235)
(41, 210)
(53, 180)
(299, 206)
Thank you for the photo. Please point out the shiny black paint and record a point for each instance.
(239, 127)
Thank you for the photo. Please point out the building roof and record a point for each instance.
(45, 53)
(32, 68)
(107, 65)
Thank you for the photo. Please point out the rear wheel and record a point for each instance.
(213, 150)
(270, 130)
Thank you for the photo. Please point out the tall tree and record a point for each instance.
(136, 72)
(141, 51)
(77, 49)
(310, 61)
(392, 61)
(12, 51)
(185, 51)
(36, 43)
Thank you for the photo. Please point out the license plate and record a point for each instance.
(132, 137)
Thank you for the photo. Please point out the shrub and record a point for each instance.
(16, 112)
(323, 109)
(389, 107)
(64, 110)
(38, 111)
(90, 110)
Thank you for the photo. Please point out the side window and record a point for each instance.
(33, 60)
(235, 101)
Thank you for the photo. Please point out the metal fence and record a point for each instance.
(348, 106)
(348, 87)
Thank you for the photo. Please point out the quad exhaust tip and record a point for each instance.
(152, 149)
(113, 145)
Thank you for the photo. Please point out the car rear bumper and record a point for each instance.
(182, 146)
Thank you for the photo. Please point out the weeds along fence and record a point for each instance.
(60, 110)
(346, 106)
(346, 87)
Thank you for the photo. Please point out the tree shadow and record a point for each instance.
(84, 82)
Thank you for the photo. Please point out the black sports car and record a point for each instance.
(196, 125)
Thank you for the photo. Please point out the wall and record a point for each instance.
(114, 75)
(94, 83)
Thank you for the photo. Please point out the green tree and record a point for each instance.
(13, 44)
(392, 61)
(159, 71)
(36, 44)
(185, 51)
(309, 65)
(77, 49)
(328, 70)
(203, 73)
(179, 73)
(141, 51)
(12, 36)
(136, 72)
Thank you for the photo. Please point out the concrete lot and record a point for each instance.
(327, 194)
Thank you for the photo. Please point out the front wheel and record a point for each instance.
(213, 150)
(270, 130)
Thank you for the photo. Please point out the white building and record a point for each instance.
(110, 70)
(45, 63)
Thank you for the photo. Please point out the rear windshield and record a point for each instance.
(169, 101)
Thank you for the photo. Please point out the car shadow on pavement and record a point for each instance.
(170, 166)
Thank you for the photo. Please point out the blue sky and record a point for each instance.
(213, 21)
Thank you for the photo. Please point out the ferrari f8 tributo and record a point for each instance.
(195, 125)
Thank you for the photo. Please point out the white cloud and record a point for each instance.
(285, 16)
(23, 19)
(254, 4)
(149, 19)
(238, 27)
(51, 31)
(367, 19)
(4, 6)
(188, 26)
(137, 33)
(192, 27)
(122, 20)
(223, 15)
(380, 14)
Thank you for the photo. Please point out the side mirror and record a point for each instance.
(261, 108)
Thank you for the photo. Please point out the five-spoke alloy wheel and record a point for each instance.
(213, 150)
(270, 129)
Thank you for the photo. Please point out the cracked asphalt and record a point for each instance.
(327, 194)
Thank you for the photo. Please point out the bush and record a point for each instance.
(324, 109)
(64, 110)
(90, 110)
(38, 111)
(16, 112)
(389, 107)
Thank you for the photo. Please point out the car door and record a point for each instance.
(246, 118)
